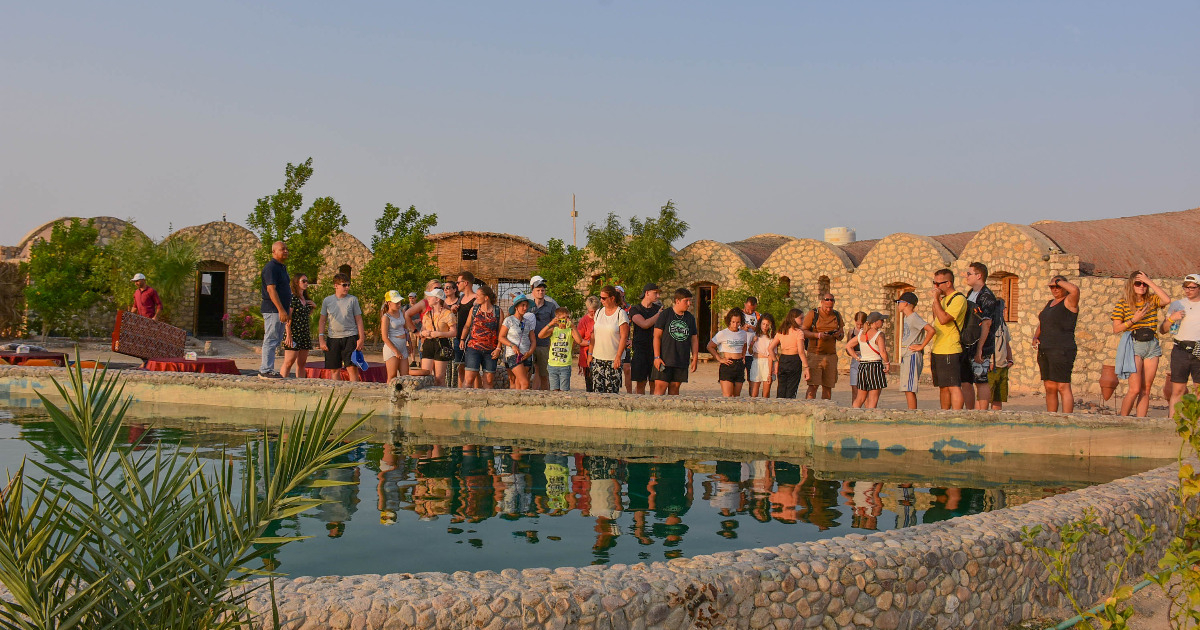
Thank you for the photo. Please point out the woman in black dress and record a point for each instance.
(1055, 343)
(298, 340)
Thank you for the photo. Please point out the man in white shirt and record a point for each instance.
(1185, 356)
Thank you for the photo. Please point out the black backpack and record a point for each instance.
(972, 326)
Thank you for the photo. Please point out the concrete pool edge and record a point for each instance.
(968, 572)
(946, 434)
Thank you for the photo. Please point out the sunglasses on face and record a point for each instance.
(344, 284)
(1193, 286)
(937, 283)
(826, 299)
(1139, 284)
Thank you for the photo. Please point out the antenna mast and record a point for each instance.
(574, 215)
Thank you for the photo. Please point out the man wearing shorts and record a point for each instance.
(543, 309)
(341, 315)
(1185, 355)
(676, 345)
(915, 334)
(949, 311)
(823, 327)
(643, 316)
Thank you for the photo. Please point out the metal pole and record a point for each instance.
(574, 214)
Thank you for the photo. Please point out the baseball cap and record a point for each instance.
(359, 360)
(875, 316)
(138, 276)
(437, 293)
(620, 288)
(393, 296)
(650, 286)
(908, 296)
(537, 281)
(412, 294)
(1191, 277)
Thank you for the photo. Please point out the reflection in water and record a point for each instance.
(473, 507)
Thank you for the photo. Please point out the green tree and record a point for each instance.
(169, 266)
(648, 255)
(638, 255)
(403, 259)
(772, 294)
(274, 219)
(318, 225)
(66, 274)
(563, 266)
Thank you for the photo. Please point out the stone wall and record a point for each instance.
(903, 260)
(343, 249)
(968, 572)
(497, 255)
(227, 244)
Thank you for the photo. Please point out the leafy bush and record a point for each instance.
(152, 538)
(247, 324)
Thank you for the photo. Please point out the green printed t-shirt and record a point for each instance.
(560, 347)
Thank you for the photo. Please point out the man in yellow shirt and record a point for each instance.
(945, 358)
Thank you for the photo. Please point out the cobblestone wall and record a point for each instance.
(229, 244)
(344, 249)
(969, 572)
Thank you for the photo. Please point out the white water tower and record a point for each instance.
(839, 235)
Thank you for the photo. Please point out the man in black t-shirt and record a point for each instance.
(676, 345)
(643, 316)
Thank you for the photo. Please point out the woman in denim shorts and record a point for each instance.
(1136, 313)
(480, 340)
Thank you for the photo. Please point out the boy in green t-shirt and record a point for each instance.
(562, 339)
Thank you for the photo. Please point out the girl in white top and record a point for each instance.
(609, 336)
(869, 347)
(762, 369)
(393, 329)
(729, 347)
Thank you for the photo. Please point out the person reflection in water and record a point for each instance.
(432, 494)
(341, 501)
(671, 498)
(391, 474)
(604, 502)
(862, 497)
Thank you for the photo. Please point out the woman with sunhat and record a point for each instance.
(394, 330)
(516, 335)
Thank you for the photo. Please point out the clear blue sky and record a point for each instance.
(788, 117)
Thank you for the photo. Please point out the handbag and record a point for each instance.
(1143, 334)
(445, 351)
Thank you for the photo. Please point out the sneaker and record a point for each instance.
(269, 375)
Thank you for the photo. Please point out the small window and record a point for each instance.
(470, 254)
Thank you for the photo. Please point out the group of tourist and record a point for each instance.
(461, 336)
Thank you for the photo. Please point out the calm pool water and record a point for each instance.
(425, 507)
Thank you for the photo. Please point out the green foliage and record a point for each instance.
(66, 274)
(648, 254)
(169, 265)
(1178, 572)
(772, 294)
(153, 538)
(274, 219)
(317, 226)
(403, 259)
(1179, 568)
(247, 324)
(637, 256)
(562, 266)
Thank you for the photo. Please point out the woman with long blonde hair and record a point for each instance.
(1137, 314)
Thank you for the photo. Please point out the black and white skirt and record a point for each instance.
(871, 376)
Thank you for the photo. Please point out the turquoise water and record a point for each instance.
(418, 506)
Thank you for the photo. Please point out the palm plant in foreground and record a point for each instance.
(151, 539)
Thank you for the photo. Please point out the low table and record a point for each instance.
(377, 372)
(15, 358)
(202, 366)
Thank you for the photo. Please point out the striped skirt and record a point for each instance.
(871, 376)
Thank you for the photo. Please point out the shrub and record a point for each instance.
(247, 324)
